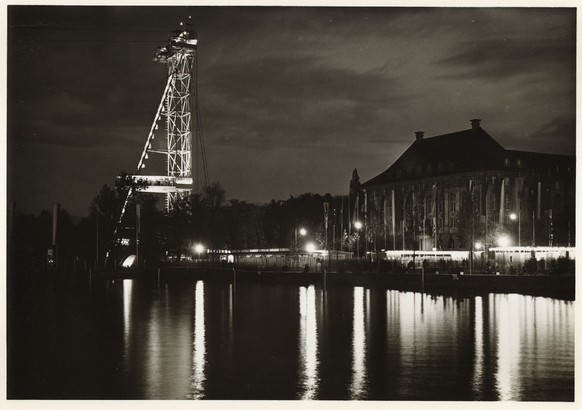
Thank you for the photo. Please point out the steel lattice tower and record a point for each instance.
(179, 115)
(179, 101)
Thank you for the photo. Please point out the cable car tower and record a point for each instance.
(179, 101)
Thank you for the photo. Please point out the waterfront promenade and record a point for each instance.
(562, 286)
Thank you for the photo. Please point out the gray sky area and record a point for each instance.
(292, 99)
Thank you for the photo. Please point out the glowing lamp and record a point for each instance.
(310, 247)
(503, 240)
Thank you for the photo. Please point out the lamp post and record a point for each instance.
(199, 248)
(301, 231)
(478, 247)
(513, 216)
(310, 247)
(358, 226)
(503, 241)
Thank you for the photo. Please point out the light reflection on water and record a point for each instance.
(199, 353)
(479, 349)
(359, 381)
(308, 344)
(393, 345)
(535, 344)
(127, 288)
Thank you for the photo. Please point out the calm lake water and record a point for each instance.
(209, 339)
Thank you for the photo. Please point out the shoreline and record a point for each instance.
(563, 287)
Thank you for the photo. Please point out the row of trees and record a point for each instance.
(98, 240)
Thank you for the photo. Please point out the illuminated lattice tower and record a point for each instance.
(179, 102)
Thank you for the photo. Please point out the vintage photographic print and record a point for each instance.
(291, 203)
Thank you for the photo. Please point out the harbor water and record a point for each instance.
(224, 340)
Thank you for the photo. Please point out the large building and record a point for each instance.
(460, 190)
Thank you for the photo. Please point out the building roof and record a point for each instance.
(458, 152)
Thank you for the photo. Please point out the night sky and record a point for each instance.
(292, 99)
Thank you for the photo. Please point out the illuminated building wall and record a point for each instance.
(451, 190)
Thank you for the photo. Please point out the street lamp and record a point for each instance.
(199, 248)
(478, 247)
(503, 240)
(517, 217)
(301, 231)
(310, 247)
(358, 226)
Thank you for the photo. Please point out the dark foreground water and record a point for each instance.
(195, 339)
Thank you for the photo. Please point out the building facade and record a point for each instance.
(464, 191)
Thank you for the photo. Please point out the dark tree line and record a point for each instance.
(98, 240)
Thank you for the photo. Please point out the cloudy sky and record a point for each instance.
(291, 99)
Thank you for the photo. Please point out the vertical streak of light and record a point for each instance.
(508, 346)
(153, 362)
(308, 343)
(358, 386)
(230, 316)
(199, 354)
(127, 291)
(367, 313)
(478, 364)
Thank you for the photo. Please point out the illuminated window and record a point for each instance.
(452, 202)
(507, 163)
(519, 163)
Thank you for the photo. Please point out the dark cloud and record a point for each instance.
(503, 58)
(297, 101)
(556, 136)
(291, 99)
